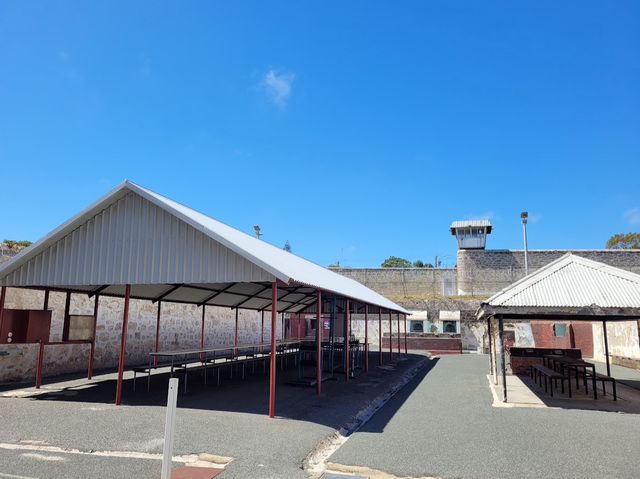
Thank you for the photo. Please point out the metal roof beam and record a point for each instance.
(217, 292)
(251, 297)
(167, 293)
(98, 290)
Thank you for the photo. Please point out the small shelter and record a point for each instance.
(570, 288)
(135, 243)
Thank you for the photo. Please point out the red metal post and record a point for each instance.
(390, 337)
(404, 316)
(204, 312)
(3, 294)
(282, 335)
(155, 358)
(123, 344)
(93, 338)
(398, 318)
(272, 373)
(235, 334)
(65, 325)
(366, 338)
(39, 366)
(298, 326)
(319, 346)
(347, 334)
(262, 332)
(380, 336)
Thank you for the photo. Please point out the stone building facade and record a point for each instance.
(180, 327)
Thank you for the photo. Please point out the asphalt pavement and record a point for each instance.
(443, 424)
(226, 420)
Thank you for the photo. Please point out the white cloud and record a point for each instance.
(278, 86)
(632, 216)
(487, 215)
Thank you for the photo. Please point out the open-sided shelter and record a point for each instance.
(570, 288)
(135, 243)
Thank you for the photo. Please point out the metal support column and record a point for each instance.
(93, 338)
(380, 336)
(319, 346)
(390, 337)
(347, 335)
(262, 330)
(204, 313)
(503, 360)
(39, 365)
(398, 320)
(41, 345)
(406, 350)
(123, 344)
(366, 338)
(65, 324)
(272, 372)
(606, 346)
(3, 294)
(235, 335)
(155, 358)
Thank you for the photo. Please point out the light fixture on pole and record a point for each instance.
(257, 229)
(524, 215)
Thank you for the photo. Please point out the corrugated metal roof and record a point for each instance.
(136, 236)
(572, 282)
(470, 224)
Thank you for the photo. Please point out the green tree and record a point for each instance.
(10, 243)
(419, 264)
(624, 241)
(287, 246)
(393, 262)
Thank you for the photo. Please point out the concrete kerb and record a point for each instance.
(315, 463)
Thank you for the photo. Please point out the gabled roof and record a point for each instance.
(129, 219)
(571, 283)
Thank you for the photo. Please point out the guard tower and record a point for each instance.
(471, 234)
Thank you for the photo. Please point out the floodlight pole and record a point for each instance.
(524, 215)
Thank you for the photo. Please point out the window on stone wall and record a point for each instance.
(416, 326)
(559, 330)
(449, 326)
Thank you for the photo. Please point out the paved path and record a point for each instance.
(443, 424)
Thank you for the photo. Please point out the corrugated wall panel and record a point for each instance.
(134, 241)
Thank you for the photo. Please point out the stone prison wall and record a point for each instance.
(484, 272)
(405, 282)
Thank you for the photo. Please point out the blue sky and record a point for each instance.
(355, 130)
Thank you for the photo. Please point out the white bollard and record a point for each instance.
(170, 424)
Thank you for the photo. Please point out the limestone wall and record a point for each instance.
(405, 282)
(488, 271)
(622, 337)
(179, 328)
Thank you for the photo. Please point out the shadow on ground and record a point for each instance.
(249, 395)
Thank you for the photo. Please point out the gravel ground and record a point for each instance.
(229, 420)
(442, 424)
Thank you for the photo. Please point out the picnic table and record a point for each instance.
(560, 363)
(231, 353)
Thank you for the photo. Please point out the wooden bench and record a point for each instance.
(538, 371)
